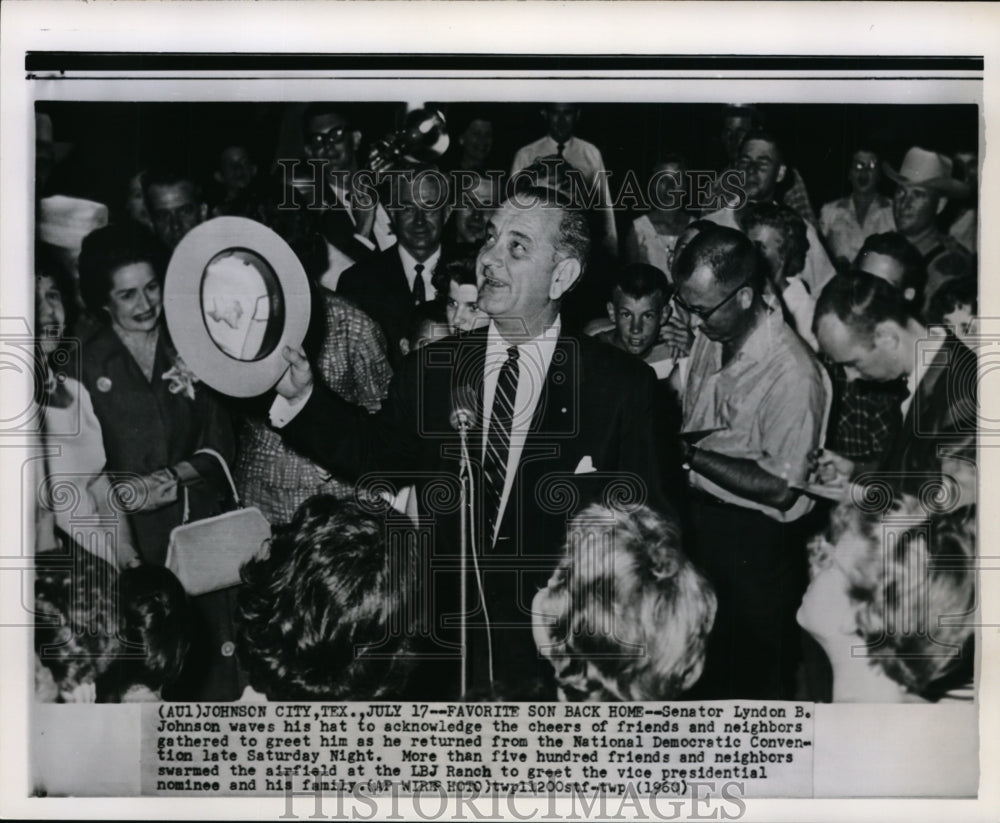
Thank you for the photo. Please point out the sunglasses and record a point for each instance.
(319, 139)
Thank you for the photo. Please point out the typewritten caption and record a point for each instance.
(260, 749)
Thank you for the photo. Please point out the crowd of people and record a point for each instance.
(518, 456)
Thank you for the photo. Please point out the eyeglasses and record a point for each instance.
(319, 139)
(871, 165)
(704, 314)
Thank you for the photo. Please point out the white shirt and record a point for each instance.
(410, 270)
(584, 156)
(534, 359)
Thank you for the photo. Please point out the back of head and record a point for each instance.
(861, 301)
(787, 222)
(635, 613)
(76, 632)
(321, 616)
(895, 245)
(728, 253)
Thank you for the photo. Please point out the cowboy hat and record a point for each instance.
(929, 170)
(235, 295)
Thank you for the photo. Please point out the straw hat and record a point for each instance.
(235, 295)
(65, 221)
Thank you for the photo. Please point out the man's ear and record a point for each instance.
(404, 346)
(356, 139)
(942, 202)
(886, 335)
(612, 314)
(782, 171)
(203, 211)
(564, 277)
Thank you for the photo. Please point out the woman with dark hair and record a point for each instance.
(74, 486)
(154, 417)
(323, 616)
(155, 629)
(162, 429)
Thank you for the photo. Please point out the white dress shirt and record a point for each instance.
(410, 270)
(534, 359)
(582, 155)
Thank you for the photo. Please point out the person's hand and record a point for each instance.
(82, 693)
(161, 489)
(676, 333)
(830, 468)
(297, 380)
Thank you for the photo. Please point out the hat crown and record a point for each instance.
(920, 165)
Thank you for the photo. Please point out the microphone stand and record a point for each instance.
(465, 484)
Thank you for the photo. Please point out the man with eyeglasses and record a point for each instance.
(761, 160)
(174, 202)
(352, 224)
(846, 223)
(754, 407)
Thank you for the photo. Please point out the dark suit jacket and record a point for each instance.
(943, 415)
(596, 402)
(378, 287)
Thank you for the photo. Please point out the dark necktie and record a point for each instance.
(419, 295)
(560, 147)
(498, 442)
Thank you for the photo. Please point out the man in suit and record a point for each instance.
(342, 200)
(554, 423)
(388, 285)
(865, 324)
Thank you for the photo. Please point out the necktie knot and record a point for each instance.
(513, 353)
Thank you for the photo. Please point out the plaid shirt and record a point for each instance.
(797, 199)
(867, 417)
(352, 362)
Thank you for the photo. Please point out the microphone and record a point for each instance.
(464, 403)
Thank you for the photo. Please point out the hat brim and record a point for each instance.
(189, 327)
(947, 186)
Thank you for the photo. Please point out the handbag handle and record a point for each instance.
(229, 477)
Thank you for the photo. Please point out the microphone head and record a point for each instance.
(464, 402)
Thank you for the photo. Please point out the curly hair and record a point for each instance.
(791, 227)
(321, 616)
(634, 611)
(156, 626)
(76, 630)
(913, 590)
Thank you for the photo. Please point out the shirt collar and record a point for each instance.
(495, 342)
(410, 262)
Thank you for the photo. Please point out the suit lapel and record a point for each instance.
(557, 407)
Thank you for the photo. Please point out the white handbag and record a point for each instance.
(207, 555)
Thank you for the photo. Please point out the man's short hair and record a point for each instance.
(764, 136)
(169, 175)
(902, 587)
(895, 245)
(638, 280)
(729, 253)
(786, 221)
(322, 616)
(861, 301)
(314, 110)
(635, 608)
(409, 171)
